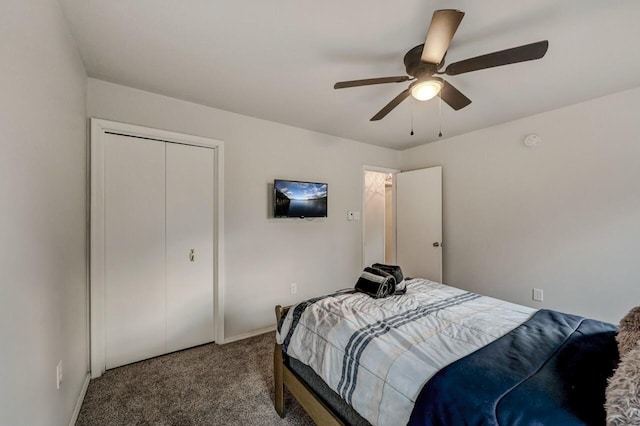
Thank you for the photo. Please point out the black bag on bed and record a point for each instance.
(376, 283)
(396, 271)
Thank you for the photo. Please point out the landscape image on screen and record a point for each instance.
(299, 199)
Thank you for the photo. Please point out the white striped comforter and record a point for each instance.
(378, 353)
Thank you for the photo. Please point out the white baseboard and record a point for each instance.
(250, 334)
(83, 392)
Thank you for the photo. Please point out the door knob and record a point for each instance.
(437, 244)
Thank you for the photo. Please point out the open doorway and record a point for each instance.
(378, 238)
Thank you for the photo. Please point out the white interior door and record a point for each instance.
(419, 223)
(134, 249)
(190, 222)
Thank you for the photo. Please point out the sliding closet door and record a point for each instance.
(135, 279)
(190, 219)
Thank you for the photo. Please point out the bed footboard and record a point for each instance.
(283, 376)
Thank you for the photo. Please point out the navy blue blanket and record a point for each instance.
(551, 370)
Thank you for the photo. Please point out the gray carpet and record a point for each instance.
(208, 385)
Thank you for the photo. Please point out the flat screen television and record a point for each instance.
(292, 198)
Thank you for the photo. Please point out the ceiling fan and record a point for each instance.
(425, 61)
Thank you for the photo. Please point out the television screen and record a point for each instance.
(299, 199)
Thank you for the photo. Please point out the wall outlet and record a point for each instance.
(537, 294)
(58, 374)
(294, 288)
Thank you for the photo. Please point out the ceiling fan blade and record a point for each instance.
(369, 81)
(528, 52)
(453, 97)
(391, 105)
(444, 24)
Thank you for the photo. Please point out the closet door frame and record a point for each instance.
(100, 128)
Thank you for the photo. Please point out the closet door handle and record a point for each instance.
(437, 244)
(192, 255)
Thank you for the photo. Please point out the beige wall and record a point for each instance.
(265, 255)
(43, 291)
(564, 216)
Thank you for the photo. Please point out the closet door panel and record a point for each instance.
(135, 278)
(190, 219)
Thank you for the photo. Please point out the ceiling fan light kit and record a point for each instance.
(425, 60)
(426, 89)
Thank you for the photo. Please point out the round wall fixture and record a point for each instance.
(531, 141)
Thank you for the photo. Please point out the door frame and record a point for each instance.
(367, 168)
(99, 128)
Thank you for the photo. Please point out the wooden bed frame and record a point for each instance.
(308, 399)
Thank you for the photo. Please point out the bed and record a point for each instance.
(439, 355)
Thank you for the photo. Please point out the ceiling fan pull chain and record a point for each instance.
(440, 114)
(412, 104)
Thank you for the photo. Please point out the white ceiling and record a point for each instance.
(278, 59)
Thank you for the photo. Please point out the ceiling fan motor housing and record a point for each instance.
(414, 65)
